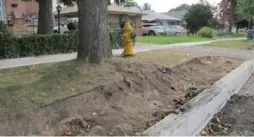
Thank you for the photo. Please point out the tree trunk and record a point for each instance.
(230, 27)
(237, 28)
(94, 44)
(46, 21)
(250, 24)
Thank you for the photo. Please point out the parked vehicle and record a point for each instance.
(176, 30)
(152, 29)
(63, 27)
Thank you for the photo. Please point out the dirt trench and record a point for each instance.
(143, 95)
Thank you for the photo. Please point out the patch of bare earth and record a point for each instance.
(124, 97)
(235, 119)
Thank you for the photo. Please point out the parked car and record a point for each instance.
(63, 26)
(152, 29)
(176, 30)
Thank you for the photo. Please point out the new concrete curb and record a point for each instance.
(202, 108)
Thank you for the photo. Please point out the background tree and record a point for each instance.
(46, 18)
(94, 45)
(247, 7)
(198, 16)
(182, 7)
(204, 2)
(130, 3)
(229, 12)
(146, 6)
(215, 24)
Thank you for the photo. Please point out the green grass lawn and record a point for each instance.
(169, 39)
(232, 44)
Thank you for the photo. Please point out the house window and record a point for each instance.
(14, 5)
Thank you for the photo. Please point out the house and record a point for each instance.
(21, 15)
(115, 15)
(162, 19)
(176, 14)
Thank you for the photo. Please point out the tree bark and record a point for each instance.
(249, 26)
(237, 28)
(46, 20)
(230, 27)
(94, 44)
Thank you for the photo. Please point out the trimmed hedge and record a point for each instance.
(72, 26)
(35, 45)
(115, 39)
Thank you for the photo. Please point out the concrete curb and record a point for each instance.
(202, 108)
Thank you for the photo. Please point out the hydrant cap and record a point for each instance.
(127, 26)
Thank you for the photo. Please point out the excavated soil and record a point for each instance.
(141, 96)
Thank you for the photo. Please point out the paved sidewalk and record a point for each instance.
(10, 63)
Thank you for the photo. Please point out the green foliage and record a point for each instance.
(72, 26)
(4, 30)
(70, 2)
(35, 45)
(115, 39)
(147, 6)
(229, 34)
(130, 3)
(205, 32)
(2, 26)
(198, 16)
(181, 8)
(247, 7)
(213, 23)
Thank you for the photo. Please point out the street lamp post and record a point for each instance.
(59, 8)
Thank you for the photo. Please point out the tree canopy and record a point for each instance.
(181, 7)
(147, 6)
(198, 16)
(70, 2)
(130, 3)
(247, 7)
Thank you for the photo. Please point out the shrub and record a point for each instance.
(72, 26)
(205, 32)
(35, 45)
(4, 30)
(115, 38)
(2, 26)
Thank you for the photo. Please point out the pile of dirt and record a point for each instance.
(143, 95)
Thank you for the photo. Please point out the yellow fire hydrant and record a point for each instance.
(127, 39)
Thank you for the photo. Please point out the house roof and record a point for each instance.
(154, 16)
(112, 9)
(176, 14)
